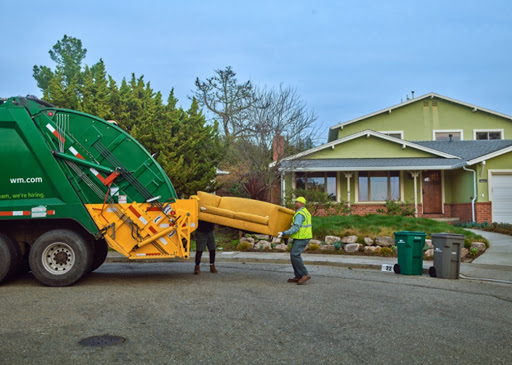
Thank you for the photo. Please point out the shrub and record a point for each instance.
(318, 201)
(313, 247)
(472, 225)
(473, 251)
(394, 207)
(386, 252)
(504, 228)
(243, 246)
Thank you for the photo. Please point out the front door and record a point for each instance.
(432, 195)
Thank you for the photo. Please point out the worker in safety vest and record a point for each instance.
(301, 231)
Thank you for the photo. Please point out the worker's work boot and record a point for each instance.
(196, 270)
(303, 279)
(213, 269)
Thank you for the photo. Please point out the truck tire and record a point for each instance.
(60, 257)
(100, 253)
(10, 256)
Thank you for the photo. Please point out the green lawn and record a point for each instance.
(368, 226)
(380, 225)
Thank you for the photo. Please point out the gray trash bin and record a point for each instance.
(447, 249)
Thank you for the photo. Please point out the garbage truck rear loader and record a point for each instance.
(71, 185)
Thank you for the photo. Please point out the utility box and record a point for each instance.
(447, 250)
(410, 252)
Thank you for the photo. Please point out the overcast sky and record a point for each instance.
(345, 58)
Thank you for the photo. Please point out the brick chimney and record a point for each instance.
(278, 147)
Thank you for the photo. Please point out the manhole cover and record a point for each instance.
(101, 341)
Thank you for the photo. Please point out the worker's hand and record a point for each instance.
(279, 234)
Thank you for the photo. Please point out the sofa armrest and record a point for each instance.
(280, 219)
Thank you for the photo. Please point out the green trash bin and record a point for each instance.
(410, 252)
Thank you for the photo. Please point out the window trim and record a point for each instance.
(393, 132)
(475, 131)
(461, 131)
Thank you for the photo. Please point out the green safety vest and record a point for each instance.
(306, 231)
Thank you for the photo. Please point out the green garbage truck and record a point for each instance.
(71, 186)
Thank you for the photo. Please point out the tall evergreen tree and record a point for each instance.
(68, 54)
(187, 147)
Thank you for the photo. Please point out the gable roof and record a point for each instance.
(414, 100)
(368, 133)
(448, 156)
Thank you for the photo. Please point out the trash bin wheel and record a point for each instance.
(396, 269)
(432, 271)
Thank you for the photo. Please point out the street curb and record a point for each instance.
(348, 265)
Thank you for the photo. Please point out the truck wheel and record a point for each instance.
(10, 256)
(100, 253)
(60, 257)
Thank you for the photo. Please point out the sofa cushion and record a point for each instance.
(217, 211)
(206, 199)
(249, 206)
(251, 218)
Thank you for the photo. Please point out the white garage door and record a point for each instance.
(502, 198)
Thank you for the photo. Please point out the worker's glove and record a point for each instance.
(279, 234)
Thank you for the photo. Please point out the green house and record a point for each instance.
(449, 158)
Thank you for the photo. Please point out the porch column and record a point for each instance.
(338, 186)
(282, 189)
(415, 175)
(348, 175)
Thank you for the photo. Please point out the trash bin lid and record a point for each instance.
(410, 233)
(453, 236)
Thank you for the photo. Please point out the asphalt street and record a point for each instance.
(249, 314)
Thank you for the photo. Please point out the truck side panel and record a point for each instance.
(32, 184)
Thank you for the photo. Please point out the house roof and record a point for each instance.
(368, 133)
(426, 96)
(469, 150)
(450, 155)
(372, 164)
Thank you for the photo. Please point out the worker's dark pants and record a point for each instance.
(295, 255)
(203, 240)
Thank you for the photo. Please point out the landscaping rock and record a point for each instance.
(353, 247)
(368, 241)
(281, 247)
(261, 237)
(262, 245)
(429, 244)
(327, 248)
(479, 245)
(384, 241)
(429, 252)
(372, 249)
(315, 242)
(349, 239)
(249, 240)
(329, 240)
(464, 252)
(277, 240)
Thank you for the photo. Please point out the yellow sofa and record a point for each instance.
(244, 214)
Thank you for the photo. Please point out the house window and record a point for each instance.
(445, 135)
(482, 135)
(319, 181)
(396, 134)
(379, 185)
